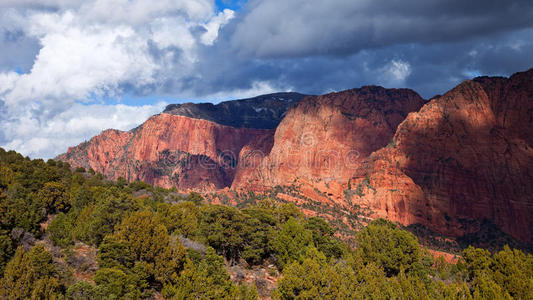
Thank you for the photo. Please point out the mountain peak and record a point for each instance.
(261, 112)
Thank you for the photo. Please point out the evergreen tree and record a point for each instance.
(32, 275)
(81, 290)
(513, 271)
(6, 251)
(208, 279)
(291, 242)
(54, 197)
(60, 230)
(391, 248)
(221, 226)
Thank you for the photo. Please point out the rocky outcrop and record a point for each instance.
(189, 146)
(325, 138)
(463, 157)
(262, 112)
(168, 150)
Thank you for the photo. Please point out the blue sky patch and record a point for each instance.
(231, 4)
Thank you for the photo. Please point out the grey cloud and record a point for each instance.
(281, 28)
(18, 51)
(434, 67)
(40, 4)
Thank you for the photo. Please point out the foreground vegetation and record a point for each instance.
(152, 241)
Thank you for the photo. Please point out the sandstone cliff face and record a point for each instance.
(169, 151)
(325, 138)
(466, 155)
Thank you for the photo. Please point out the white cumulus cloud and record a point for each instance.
(395, 73)
(91, 51)
(77, 123)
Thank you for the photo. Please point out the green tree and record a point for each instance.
(323, 237)
(513, 271)
(76, 181)
(314, 278)
(391, 248)
(245, 292)
(81, 290)
(60, 230)
(222, 228)
(54, 197)
(409, 287)
(6, 251)
(97, 220)
(477, 261)
(30, 275)
(255, 235)
(181, 218)
(207, 280)
(114, 252)
(286, 211)
(441, 290)
(486, 288)
(21, 210)
(291, 242)
(150, 243)
(373, 284)
(195, 198)
(81, 198)
(112, 283)
(6, 177)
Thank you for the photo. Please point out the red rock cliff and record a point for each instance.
(168, 150)
(325, 138)
(466, 155)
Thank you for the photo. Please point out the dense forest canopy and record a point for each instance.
(71, 234)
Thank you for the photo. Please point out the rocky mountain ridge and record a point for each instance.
(445, 163)
(261, 112)
(168, 150)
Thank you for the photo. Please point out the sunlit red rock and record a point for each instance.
(168, 150)
(466, 155)
(325, 138)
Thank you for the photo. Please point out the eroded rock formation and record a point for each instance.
(325, 138)
(464, 156)
(168, 150)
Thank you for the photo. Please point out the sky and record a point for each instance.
(71, 68)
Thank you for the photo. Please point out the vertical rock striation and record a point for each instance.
(464, 156)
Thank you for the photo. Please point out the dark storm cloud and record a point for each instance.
(433, 68)
(320, 46)
(281, 28)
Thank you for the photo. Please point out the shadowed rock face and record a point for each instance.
(261, 112)
(466, 155)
